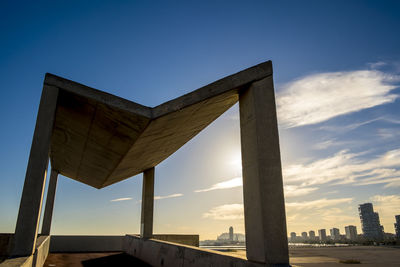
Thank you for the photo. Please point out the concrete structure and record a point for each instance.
(231, 233)
(311, 235)
(351, 232)
(51, 195)
(100, 139)
(304, 236)
(293, 237)
(322, 234)
(371, 226)
(335, 234)
(397, 227)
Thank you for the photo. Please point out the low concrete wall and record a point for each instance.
(80, 243)
(190, 240)
(36, 260)
(165, 254)
(41, 251)
(18, 262)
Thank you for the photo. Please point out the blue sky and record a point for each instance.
(337, 77)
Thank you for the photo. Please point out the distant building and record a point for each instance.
(293, 237)
(371, 226)
(231, 236)
(311, 235)
(397, 227)
(351, 232)
(322, 234)
(335, 234)
(304, 235)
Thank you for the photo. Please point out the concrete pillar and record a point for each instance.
(146, 226)
(264, 205)
(48, 210)
(31, 200)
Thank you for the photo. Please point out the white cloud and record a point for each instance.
(232, 183)
(318, 204)
(168, 196)
(346, 168)
(295, 191)
(225, 212)
(377, 65)
(319, 97)
(121, 199)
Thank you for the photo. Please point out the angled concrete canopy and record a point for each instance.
(100, 139)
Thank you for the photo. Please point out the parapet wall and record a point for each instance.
(165, 254)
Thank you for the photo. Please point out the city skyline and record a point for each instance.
(337, 93)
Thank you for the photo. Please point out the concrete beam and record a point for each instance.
(146, 226)
(264, 205)
(48, 210)
(31, 201)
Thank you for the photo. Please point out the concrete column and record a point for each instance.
(31, 201)
(48, 210)
(264, 205)
(146, 226)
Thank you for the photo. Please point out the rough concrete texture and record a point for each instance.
(264, 207)
(190, 240)
(165, 254)
(18, 262)
(51, 195)
(100, 139)
(115, 259)
(79, 243)
(41, 251)
(31, 201)
(146, 220)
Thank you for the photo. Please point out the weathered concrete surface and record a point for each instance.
(264, 207)
(18, 262)
(103, 259)
(162, 253)
(41, 251)
(190, 240)
(100, 139)
(31, 201)
(51, 195)
(146, 219)
(64, 243)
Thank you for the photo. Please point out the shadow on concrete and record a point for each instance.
(117, 260)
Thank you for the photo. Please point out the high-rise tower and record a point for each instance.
(371, 226)
(231, 233)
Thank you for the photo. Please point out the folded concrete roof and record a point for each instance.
(100, 139)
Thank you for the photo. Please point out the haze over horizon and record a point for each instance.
(337, 76)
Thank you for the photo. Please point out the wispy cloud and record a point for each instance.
(225, 212)
(295, 191)
(346, 168)
(235, 211)
(168, 196)
(319, 97)
(377, 65)
(319, 203)
(235, 182)
(121, 199)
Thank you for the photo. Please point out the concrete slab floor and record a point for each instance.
(116, 259)
(331, 256)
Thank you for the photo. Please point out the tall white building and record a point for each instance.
(322, 234)
(335, 234)
(351, 232)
